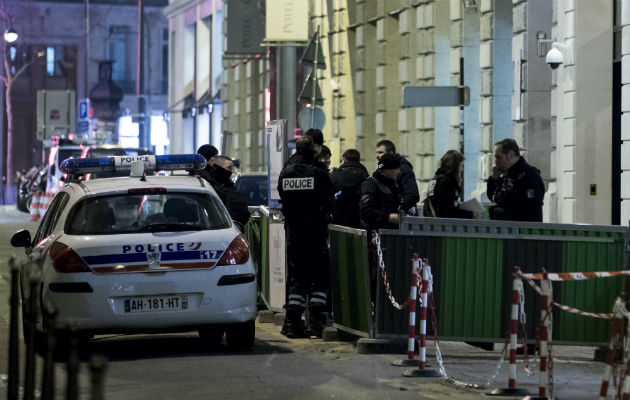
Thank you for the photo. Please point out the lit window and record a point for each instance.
(50, 61)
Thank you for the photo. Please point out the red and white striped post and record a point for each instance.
(511, 390)
(415, 268)
(422, 348)
(545, 338)
(614, 337)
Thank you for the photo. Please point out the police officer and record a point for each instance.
(348, 179)
(380, 199)
(515, 187)
(306, 193)
(406, 181)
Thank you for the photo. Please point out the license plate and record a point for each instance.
(155, 303)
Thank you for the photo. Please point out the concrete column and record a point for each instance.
(421, 143)
(457, 51)
(585, 121)
(472, 78)
(625, 109)
(532, 91)
(443, 29)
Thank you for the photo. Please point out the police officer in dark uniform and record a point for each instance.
(406, 181)
(515, 187)
(306, 193)
(380, 196)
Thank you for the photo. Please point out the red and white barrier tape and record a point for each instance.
(574, 276)
(564, 307)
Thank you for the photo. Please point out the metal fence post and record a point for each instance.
(72, 386)
(98, 366)
(31, 362)
(48, 375)
(14, 340)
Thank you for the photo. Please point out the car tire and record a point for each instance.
(212, 334)
(241, 336)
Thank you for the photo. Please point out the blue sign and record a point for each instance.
(84, 109)
(84, 126)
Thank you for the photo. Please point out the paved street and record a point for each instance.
(180, 366)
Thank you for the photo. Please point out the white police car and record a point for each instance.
(142, 253)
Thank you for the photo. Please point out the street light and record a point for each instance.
(10, 35)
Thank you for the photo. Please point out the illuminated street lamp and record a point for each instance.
(10, 35)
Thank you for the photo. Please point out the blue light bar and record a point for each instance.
(80, 166)
(180, 161)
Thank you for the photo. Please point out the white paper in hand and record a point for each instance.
(473, 205)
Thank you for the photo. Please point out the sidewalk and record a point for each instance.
(576, 375)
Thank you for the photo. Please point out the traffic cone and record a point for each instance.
(34, 212)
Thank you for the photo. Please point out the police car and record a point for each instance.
(141, 253)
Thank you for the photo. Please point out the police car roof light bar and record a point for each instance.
(80, 166)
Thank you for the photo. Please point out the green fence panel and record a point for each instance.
(467, 285)
(594, 295)
(350, 284)
(470, 280)
(530, 256)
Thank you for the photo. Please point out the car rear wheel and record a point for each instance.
(212, 334)
(241, 336)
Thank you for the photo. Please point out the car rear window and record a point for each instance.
(141, 213)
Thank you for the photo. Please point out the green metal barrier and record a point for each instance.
(472, 263)
(267, 252)
(350, 284)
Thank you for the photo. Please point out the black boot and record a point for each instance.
(293, 326)
(317, 321)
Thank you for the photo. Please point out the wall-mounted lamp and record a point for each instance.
(10, 35)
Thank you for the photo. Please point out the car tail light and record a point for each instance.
(154, 190)
(64, 259)
(236, 253)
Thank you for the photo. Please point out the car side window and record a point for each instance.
(51, 217)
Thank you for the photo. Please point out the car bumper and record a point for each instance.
(105, 308)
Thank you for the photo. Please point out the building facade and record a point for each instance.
(61, 43)
(572, 122)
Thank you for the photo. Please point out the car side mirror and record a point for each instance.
(21, 238)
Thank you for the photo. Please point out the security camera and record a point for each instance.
(554, 58)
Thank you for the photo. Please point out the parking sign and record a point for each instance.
(84, 109)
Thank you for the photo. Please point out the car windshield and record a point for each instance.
(141, 213)
(254, 188)
(97, 153)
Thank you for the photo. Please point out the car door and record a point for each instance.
(43, 236)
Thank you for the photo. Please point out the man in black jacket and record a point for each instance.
(348, 179)
(219, 177)
(406, 181)
(306, 194)
(515, 187)
(380, 200)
